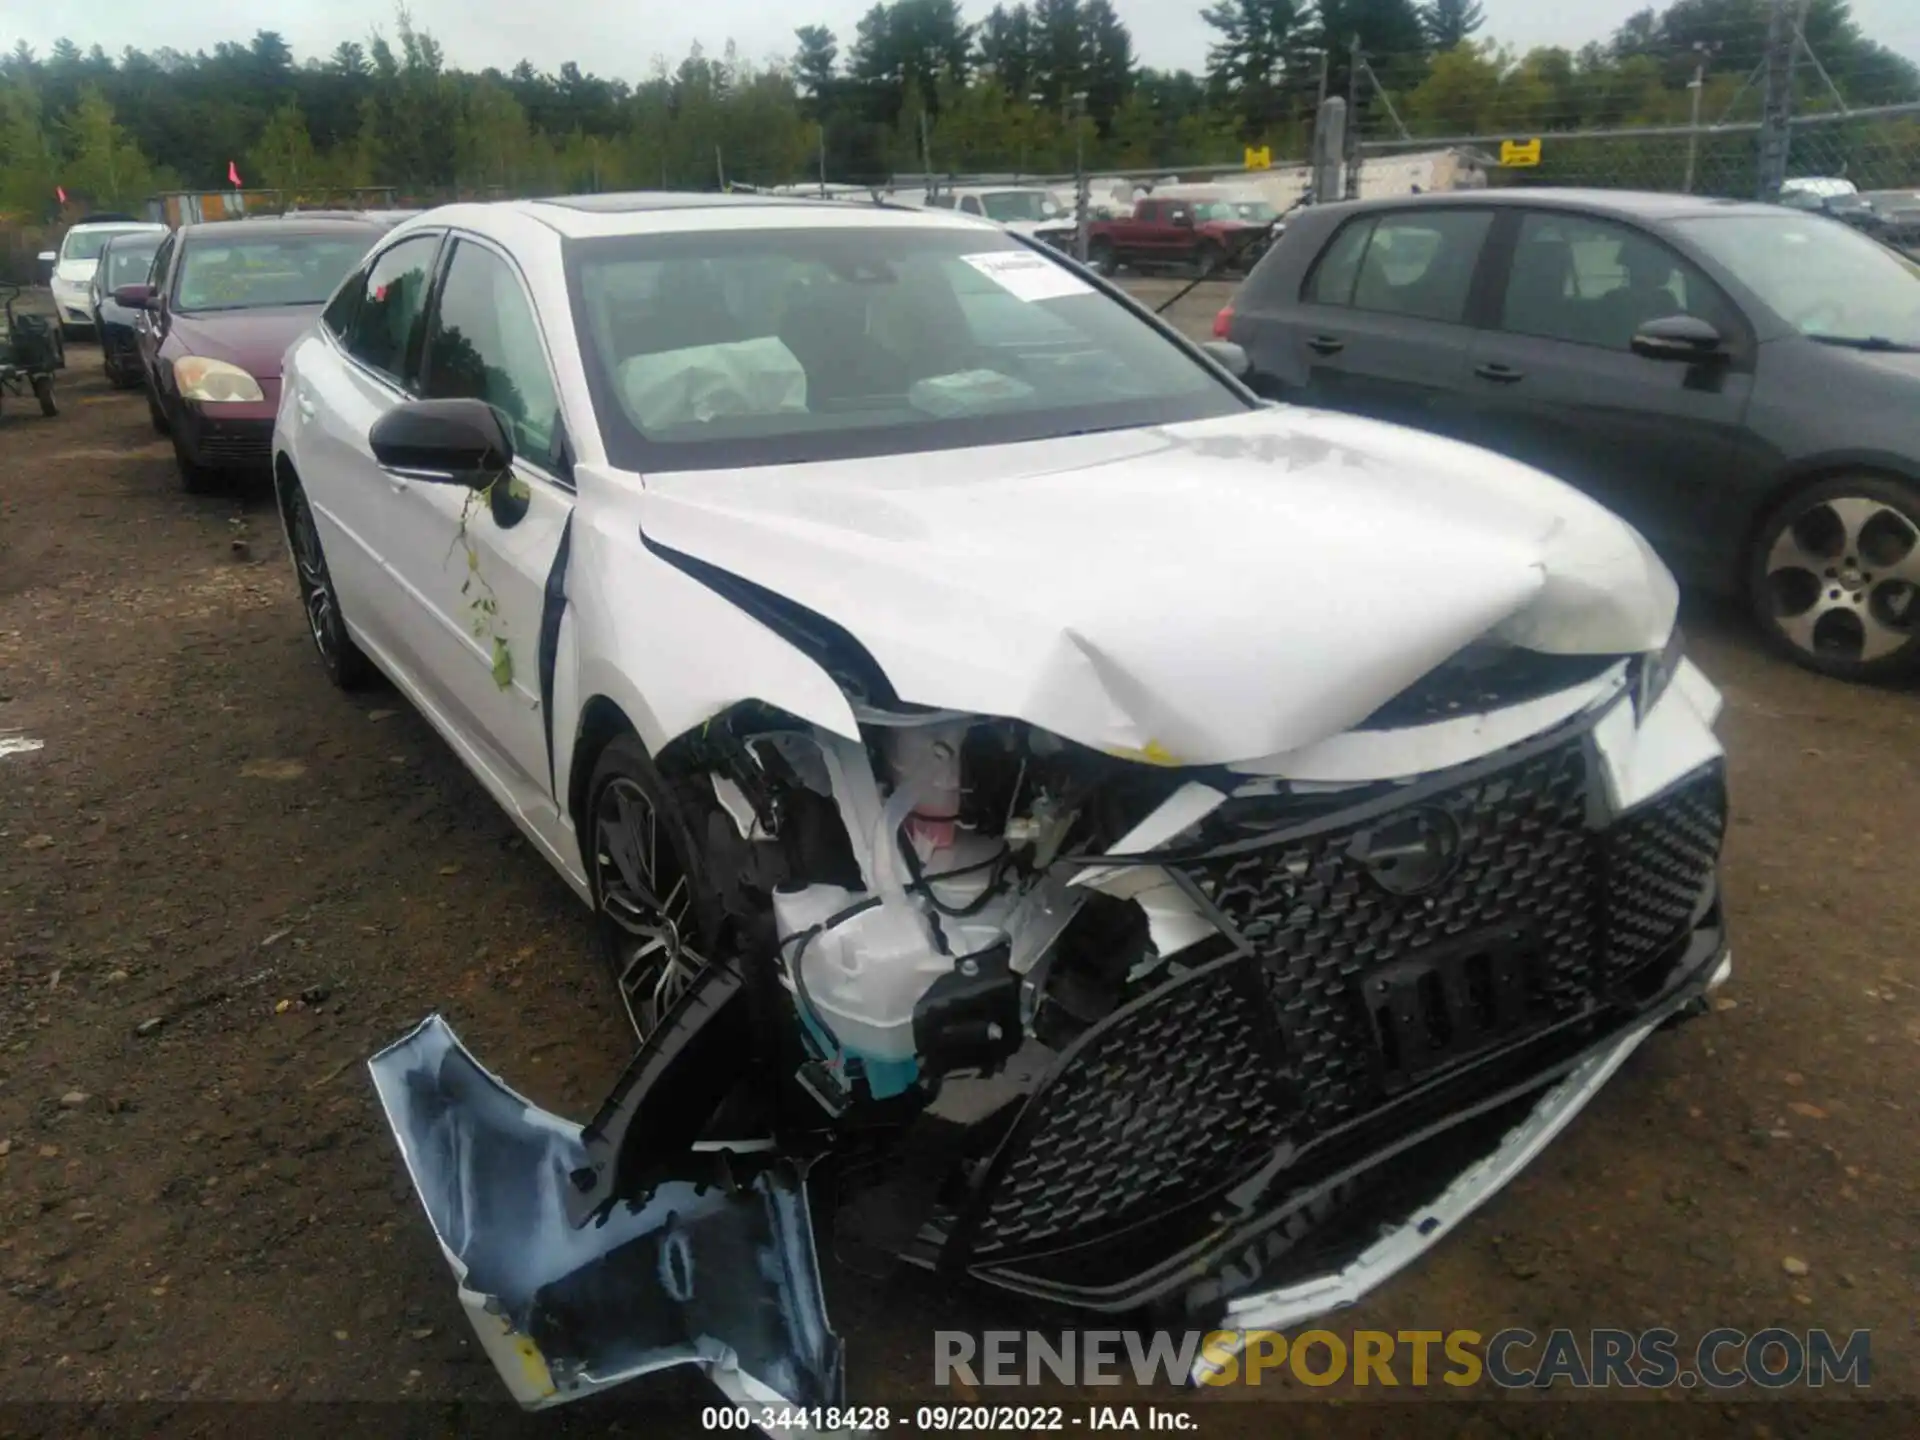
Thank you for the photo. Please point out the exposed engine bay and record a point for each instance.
(1142, 1039)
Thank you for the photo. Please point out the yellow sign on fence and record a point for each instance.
(1520, 152)
(1260, 159)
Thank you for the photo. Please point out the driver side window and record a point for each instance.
(485, 345)
(1595, 282)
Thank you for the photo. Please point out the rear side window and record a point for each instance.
(338, 316)
(1331, 282)
(1417, 264)
(393, 302)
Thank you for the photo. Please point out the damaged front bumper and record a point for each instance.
(1262, 1136)
(723, 1278)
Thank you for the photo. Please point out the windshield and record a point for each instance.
(1005, 205)
(250, 272)
(729, 348)
(129, 261)
(86, 244)
(1825, 279)
(1216, 210)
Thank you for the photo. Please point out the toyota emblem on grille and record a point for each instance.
(1409, 853)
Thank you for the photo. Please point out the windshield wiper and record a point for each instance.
(1879, 344)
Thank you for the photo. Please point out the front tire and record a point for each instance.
(1101, 257)
(195, 478)
(43, 392)
(346, 664)
(1833, 577)
(658, 917)
(156, 416)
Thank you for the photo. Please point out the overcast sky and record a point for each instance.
(621, 37)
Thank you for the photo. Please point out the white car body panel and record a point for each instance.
(1065, 582)
(1060, 582)
(1239, 594)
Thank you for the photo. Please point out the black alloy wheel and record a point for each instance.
(346, 664)
(656, 917)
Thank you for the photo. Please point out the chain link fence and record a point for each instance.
(1874, 150)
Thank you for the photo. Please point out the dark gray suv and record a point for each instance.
(1739, 381)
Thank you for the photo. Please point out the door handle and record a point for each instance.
(305, 402)
(1498, 373)
(1326, 344)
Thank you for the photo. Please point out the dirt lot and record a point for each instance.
(223, 885)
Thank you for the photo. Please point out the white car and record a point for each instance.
(1115, 823)
(1031, 210)
(73, 267)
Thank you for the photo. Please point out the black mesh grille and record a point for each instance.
(1191, 1087)
(1658, 861)
(1171, 1098)
(1316, 917)
(235, 447)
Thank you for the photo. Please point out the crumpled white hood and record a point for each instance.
(1197, 594)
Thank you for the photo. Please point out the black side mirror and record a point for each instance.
(1686, 338)
(136, 297)
(445, 442)
(1230, 357)
(1183, 219)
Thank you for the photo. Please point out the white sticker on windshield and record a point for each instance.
(1028, 276)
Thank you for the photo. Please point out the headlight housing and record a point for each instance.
(1654, 670)
(214, 382)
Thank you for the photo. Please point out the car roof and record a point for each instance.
(1645, 206)
(282, 225)
(674, 212)
(115, 225)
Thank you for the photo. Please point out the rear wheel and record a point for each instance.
(1834, 577)
(347, 665)
(1101, 257)
(1209, 258)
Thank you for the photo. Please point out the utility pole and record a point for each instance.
(1081, 207)
(1776, 120)
(1698, 86)
(1353, 120)
(823, 159)
(926, 152)
(720, 168)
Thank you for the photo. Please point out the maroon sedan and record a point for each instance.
(226, 300)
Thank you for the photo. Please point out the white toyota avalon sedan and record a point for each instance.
(1144, 845)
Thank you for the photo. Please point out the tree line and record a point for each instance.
(915, 87)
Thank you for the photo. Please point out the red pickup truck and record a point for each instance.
(1200, 233)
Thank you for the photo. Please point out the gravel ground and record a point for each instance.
(223, 885)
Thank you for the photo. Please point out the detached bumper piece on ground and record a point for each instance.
(1252, 1058)
(715, 1276)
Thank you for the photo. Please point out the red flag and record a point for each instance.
(233, 175)
(61, 191)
